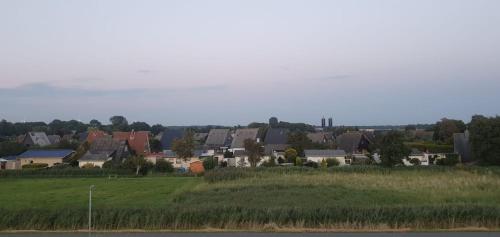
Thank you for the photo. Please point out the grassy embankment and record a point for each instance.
(267, 199)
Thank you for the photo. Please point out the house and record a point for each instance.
(353, 142)
(276, 136)
(105, 149)
(54, 139)
(137, 140)
(319, 155)
(36, 139)
(177, 162)
(320, 137)
(462, 147)
(9, 163)
(49, 157)
(200, 137)
(169, 136)
(240, 159)
(93, 135)
(218, 139)
(416, 154)
(243, 134)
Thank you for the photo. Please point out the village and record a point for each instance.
(276, 145)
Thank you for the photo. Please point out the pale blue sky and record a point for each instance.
(234, 62)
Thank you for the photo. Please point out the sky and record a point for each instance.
(225, 62)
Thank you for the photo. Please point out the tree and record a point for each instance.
(415, 161)
(324, 164)
(156, 129)
(138, 164)
(10, 148)
(94, 123)
(444, 130)
(254, 151)
(155, 145)
(273, 122)
(184, 147)
(163, 166)
(485, 139)
(393, 149)
(290, 155)
(140, 126)
(119, 123)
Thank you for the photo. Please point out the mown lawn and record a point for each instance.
(67, 192)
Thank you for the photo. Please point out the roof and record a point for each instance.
(218, 138)
(54, 139)
(243, 134)
(92, 135)
(105, 145)
(276, 136)
(170, 153)
(94, 157)
(169, 136)
(416, 152)
(349, 141)
(320, 137)
(270, 148)
(39, 138)
(138, 141)
(46, 154)
(324, 153)
(200, 136)
(7, 158)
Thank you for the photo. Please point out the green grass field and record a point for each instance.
(73, 192)
(248, 199)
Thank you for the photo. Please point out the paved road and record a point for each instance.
(442, 234)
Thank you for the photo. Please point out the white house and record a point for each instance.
(320, 155)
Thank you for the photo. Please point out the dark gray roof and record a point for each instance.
(320, 137)
(105, 145)
(170, 153)
(38, 138)
(200, 137)
(169, 136)
(243, 134)
(324, 153)
(461, 146)
(46, 154)
(276, 136)
(95, 157)
(349, 141)
(218, 138)
(54, 139)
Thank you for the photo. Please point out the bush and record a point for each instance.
(311, 164)
(415, 161)
(332, 162)
(270, 163)
(210, 163)
(298, 161)
(450, 160)
(35, 166)
(163, 166)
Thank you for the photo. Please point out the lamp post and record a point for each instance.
(90, 208)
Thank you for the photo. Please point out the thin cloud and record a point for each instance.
(335, 77)
(47, 90)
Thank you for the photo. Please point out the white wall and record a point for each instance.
(318, 159)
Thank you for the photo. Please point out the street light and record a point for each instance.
(90, 208)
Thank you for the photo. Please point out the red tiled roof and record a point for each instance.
(93, 135)
(138, 141)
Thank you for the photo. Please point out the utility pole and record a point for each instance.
(90, 208)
